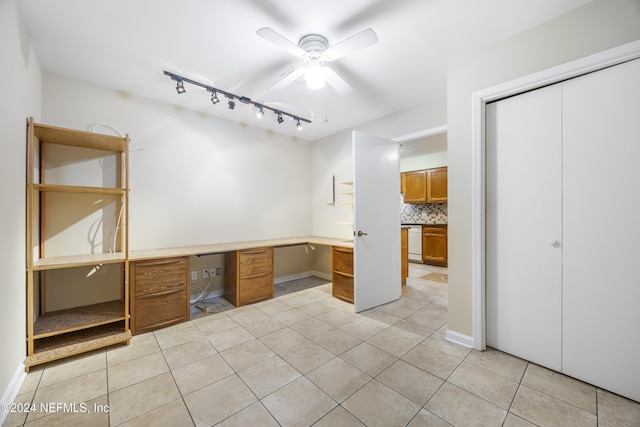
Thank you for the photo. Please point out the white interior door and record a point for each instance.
(601, 317)
(376, 195)
(523, 226)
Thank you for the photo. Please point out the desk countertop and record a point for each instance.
(214, 248)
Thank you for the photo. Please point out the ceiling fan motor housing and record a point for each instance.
(315, 46)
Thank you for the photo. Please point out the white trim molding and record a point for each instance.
(480, 98)
(10, 394)
(458, 338)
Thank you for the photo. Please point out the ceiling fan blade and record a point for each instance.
(337, 82)
(354, 43)
(280, 41)
(289, 77)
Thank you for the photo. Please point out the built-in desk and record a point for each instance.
(155, 285)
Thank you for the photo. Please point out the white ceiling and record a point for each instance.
(126, 45)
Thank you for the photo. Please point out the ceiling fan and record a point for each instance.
(314, 49)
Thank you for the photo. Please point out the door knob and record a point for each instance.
(553, 242)
(361, 233)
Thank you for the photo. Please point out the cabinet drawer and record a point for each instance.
(343, 260)
(256, 288)
(159, 275)
(434, 230)
(256, 261)
(156, 311)
(342, 287)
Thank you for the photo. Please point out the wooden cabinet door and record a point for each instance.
(437, 185)
(342, 275)
(415, 190)
(404, 255)
(434, 245)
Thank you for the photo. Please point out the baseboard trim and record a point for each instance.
(290, 277)
(302, 275)
(458, 338)
(10, 394)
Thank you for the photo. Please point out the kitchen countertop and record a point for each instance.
(234, 246)
(410, 224)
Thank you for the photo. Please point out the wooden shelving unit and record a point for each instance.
(60, 333)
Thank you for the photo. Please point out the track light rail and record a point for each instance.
(232, 97)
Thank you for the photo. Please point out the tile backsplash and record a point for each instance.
(428, 213)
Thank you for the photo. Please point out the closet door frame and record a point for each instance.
(553, 75)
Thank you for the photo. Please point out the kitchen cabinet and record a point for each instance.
(415, 186)
(159, 293)
(425, 186)
(58, 210)
(342, 273)
(437, 185)
(404, 254)
(249, 275)
(434, 245)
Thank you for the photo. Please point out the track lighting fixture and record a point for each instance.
(180, 87)
(232, 99)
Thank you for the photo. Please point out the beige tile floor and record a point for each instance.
(304, 358)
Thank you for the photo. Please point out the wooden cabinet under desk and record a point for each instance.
(159, 293)
(249, 275)
(342, 273)
(434, 245)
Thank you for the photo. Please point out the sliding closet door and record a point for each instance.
(601, 317)
(523, 220)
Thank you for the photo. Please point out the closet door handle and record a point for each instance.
(554, 243)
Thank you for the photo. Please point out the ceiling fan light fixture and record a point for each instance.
(315, 76)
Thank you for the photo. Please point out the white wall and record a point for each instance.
(195, 179)
(592, 28)
(425, 161)
(20, 99)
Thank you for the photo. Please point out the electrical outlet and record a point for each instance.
(205, 273)
(218, 271)
(212, 272)
(194, 275)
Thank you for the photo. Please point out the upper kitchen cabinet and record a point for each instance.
(437, 185)
(425, 186)
(415, 186)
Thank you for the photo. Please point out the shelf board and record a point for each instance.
(347, 182)
(51, 263)
(75, 319)
(61, 346)
(78, 189)
(78, 138)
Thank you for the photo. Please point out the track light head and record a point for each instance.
(180, 87)
(232, 104)
(298, 124)
(214, 98)
(260, 112)
(280, 119)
